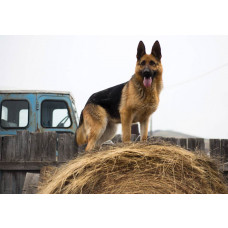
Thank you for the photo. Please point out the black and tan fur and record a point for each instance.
(127, 103)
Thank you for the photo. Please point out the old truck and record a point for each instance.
(37, 111)
(37, 130)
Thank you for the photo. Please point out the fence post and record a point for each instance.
(183, 143)
(196, 144)
(215, 148)
(224, 150)
(200, 144)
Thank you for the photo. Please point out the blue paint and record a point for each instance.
(35, 100)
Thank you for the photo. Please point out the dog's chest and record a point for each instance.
(143, 108)
(139, 103)
(143, 111)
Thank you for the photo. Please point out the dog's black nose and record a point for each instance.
(147, 73)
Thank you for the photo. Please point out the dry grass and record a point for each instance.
(137, 168)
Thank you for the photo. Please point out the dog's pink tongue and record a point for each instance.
(147, 82)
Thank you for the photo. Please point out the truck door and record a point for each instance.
(17, 113)
(55, 113)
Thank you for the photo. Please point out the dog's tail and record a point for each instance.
(81, 133)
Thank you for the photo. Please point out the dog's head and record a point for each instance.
(148, 67)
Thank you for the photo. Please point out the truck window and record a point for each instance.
(14, 114)
(55, 114)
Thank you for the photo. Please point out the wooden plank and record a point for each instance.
(224, 150)
(200, 144)
(67, 148)
(48, 145)
(19, 178)
(22, 148)
(62, 156)
(215, 148)
(196, 144)
(6, 182)
(0, 148)
(52, 146)
(39, 147)
(27, 156)
(27, 165)
(8, 149)
(1, 181)
(182, 142)
(35, 142)
(11, 182)
(191, 144)
(31, 183)
(73, 146)
(32, 147)
(44, 146)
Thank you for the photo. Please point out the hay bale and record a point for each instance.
(137, 168)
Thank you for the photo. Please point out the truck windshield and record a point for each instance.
(14, 113)
(55, 114)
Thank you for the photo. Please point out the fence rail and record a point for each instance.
(29, 152)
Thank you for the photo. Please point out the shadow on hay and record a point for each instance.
(153, 167)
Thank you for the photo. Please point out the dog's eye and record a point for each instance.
(143, 63)
(152, 63)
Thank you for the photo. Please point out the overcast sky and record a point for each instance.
(86, 64)
(194, 98)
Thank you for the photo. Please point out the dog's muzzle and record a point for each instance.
(148, 76)
(147, 73)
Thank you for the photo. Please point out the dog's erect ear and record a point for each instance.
(141, 50)
(156, 50)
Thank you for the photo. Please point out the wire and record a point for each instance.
(196, 78)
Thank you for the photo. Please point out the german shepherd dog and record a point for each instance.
(127, 103)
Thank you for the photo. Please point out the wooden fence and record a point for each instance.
(29, 152)
(26, 153)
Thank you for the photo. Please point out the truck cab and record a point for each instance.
(37, 111)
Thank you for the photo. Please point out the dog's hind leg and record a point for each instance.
(108, 134)
(95, 119)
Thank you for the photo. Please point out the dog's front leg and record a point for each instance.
(144, 129)
(126, 120)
